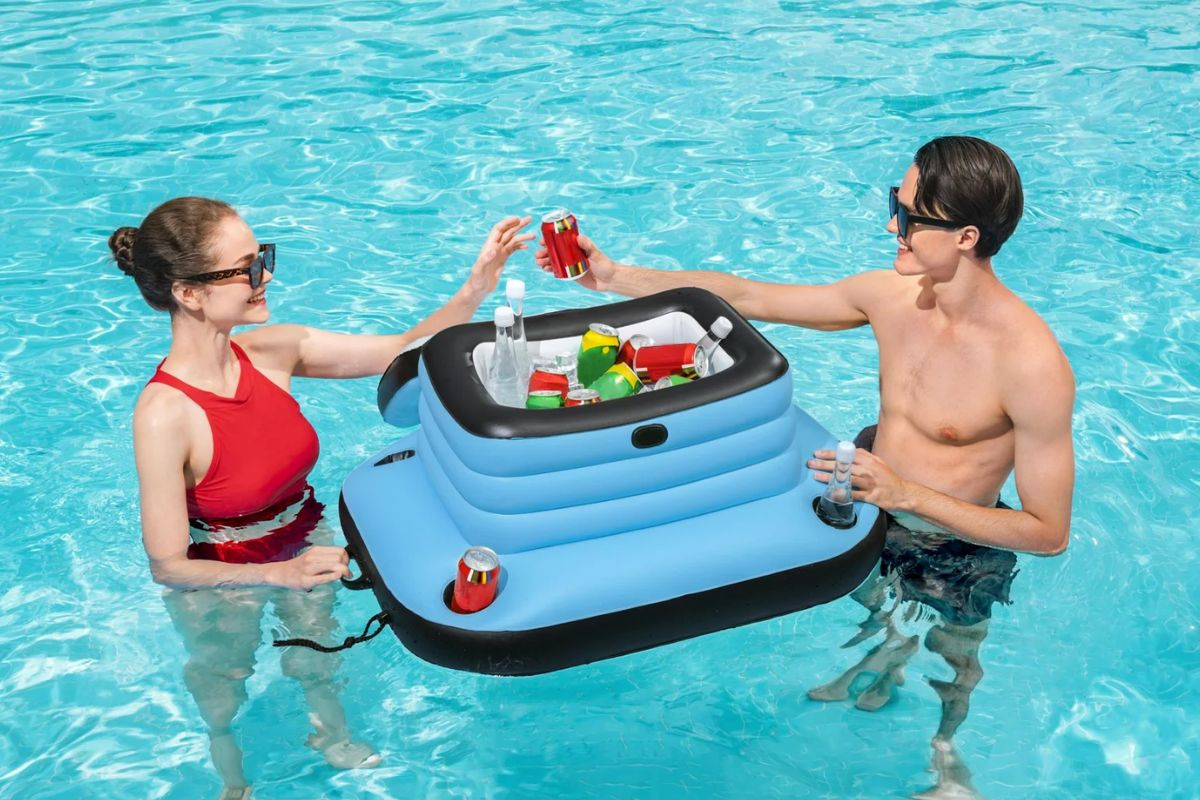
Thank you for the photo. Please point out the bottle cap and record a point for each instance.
(514, 289)
(721, 327)
(845, 452)
(504, 316)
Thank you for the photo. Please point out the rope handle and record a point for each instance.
(367, 635)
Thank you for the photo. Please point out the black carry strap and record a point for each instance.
(359, 583)
(379, 619)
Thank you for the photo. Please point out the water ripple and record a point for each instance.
(376, 141)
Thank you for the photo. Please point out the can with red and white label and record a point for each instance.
(560, 232)
(477, 580)
(659, 361)
(631, 345)
(545, 378)
(582, 397)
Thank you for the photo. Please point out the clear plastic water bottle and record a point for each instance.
(720, 329)
(836, 506)
(568, 363)
(504, 381)
(514, 291)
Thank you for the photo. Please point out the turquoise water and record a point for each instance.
(376, 142)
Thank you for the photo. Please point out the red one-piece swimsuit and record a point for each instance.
(263, 449)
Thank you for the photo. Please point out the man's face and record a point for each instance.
(928, 250)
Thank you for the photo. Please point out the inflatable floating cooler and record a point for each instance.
(620, 526)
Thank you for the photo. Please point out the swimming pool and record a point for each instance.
(376, 142)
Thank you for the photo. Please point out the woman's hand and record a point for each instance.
(316, 565)
(503, 240)
(871, 479)
(601, 269)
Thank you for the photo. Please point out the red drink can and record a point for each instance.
(560, 231)
(659, 361)
(476, 581)
(638, 340)
(582, 397)
(546, 379)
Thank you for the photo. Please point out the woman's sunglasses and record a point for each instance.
(903, 217)
(264, 260)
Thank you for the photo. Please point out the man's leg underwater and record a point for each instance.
(886, 660)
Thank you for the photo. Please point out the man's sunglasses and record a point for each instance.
(264, 260)
(903, 217)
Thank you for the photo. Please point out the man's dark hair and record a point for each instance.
(971, 181)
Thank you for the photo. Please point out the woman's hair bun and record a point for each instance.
(121, 244)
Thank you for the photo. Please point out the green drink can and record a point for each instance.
(619, 381)
(597, 352)
(544, 398)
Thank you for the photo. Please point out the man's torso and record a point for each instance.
(942, 420)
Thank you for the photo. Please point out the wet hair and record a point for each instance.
(971, 181)
(173, 243)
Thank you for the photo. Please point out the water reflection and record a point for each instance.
(222, 631)
(926, 576)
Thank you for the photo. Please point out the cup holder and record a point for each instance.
(842, 526)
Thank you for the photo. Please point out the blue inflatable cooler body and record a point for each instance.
(619, 526)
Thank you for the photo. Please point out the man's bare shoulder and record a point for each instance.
(876, 289)
(1032, 357)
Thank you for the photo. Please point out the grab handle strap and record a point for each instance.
(359, 583)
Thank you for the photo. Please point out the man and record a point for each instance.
(972, 384)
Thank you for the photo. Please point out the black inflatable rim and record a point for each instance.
(447, 359)
(571, 644)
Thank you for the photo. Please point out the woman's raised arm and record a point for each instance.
(314, 353)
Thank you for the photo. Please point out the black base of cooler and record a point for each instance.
(541, 650)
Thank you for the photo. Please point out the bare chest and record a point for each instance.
(941, 384)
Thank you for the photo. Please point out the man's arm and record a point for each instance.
(1039, 402)
(833, 307)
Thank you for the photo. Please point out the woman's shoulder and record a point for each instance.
(160, 410)
(274, 347)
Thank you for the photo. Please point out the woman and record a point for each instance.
(223, 453)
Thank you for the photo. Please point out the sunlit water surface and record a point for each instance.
(375, 142)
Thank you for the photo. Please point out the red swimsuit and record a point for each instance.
(263, 450)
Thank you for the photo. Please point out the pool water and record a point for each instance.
(376, 142)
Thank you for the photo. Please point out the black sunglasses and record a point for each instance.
(264, 260)
(903, 217)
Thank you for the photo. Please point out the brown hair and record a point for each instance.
(172, 244)
(973, 182)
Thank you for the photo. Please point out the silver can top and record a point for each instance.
(481, 559)
(601, 328)
(641, 340)
(582, 394)
(555, 216)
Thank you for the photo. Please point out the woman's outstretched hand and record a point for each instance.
(601, 269)
(503, 240)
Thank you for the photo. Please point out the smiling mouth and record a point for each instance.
(256, 300)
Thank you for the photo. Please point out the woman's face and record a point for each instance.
(231, 301)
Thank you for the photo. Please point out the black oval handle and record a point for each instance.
(359, 583)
